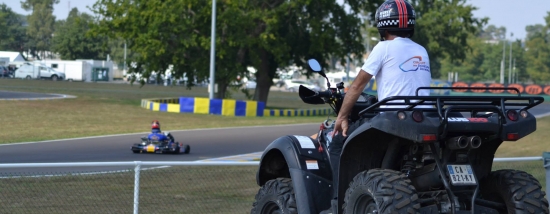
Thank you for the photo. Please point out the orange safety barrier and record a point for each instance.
(532, 89)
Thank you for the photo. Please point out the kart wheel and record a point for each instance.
(381, 191)
(518, 190)
(274, 197)
(135, 151)
(187, 149)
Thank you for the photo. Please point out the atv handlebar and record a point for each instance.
(324, 94)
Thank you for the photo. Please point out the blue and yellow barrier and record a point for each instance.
(225, 107)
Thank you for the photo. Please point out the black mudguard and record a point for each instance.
(299, 158)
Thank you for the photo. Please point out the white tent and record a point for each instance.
(12, 56)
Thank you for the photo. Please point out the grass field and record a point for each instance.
(115, 108)
(102, 108)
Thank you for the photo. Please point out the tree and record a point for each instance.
(13, 30)
(289, 32)
(443, 28)
(491, 32)
(72, 42)
(262, 34)
(116, 52)
(41, 25)
(179, 36)
(538, 51)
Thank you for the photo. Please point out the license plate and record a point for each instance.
(461, 175)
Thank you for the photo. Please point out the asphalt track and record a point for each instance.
(206, 144)
(13, 95)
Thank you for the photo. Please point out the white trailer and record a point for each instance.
(74, 70)
(4, 61)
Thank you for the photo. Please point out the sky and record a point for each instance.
(515, 15)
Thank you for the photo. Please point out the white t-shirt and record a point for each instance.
(399, 67)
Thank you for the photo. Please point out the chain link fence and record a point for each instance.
(195, 188)
(174, 189)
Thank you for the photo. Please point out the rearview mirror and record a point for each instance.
(314, 65)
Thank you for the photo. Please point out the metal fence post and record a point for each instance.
(546, 160)
(136, 186)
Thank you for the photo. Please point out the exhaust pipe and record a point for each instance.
(460, 142)
(474, 142)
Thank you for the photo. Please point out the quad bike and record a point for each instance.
(407, 154)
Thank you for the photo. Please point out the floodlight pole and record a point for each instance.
(125, 56)
(212, 49)
(510, 61)
(502, 65)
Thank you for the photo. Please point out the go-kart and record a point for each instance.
(407, 154)
(154, 146)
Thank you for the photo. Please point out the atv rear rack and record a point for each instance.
(443, 105)
(437, 104)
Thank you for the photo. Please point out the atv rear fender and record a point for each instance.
(299, 158)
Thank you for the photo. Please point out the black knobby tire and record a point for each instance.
(275, 196)
(381, 191)
(186, 149)
(518, 190)
(135, 151)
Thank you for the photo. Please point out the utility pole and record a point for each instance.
(515, 72)
(503, 59)
(212, 50)
(125, 57)
(510, 63)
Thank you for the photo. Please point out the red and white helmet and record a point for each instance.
(155, 124)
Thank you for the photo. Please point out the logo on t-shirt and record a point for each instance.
(415, 63)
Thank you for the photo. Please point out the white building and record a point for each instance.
(10, 56)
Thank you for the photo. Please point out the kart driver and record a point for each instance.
(399, 66)
(157, 135)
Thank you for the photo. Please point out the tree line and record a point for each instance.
(267, 35)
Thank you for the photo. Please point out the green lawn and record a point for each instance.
(115, 108)
(104, 108)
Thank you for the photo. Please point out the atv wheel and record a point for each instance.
(276, 196)
(381, 191)
(518, 190)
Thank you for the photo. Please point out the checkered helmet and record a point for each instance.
(395, 15)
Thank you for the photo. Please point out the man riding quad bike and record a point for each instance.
(406, 154)
(160, 142)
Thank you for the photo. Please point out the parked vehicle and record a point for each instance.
(250, 84)
(5, 72)
(73, 70)
(404, 159)
(293, 85)
(35, 71)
